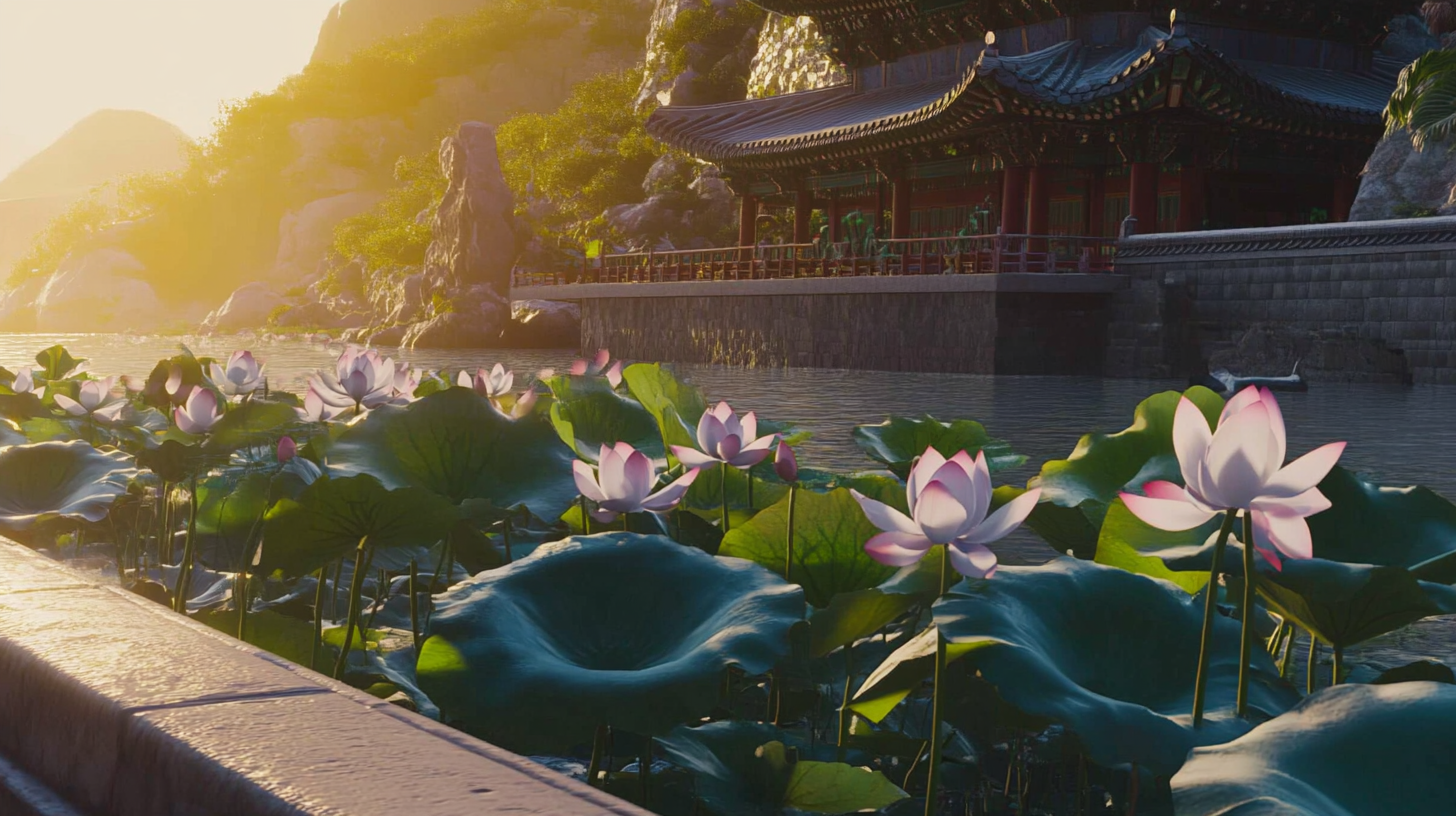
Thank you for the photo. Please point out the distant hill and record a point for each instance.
(354, 25)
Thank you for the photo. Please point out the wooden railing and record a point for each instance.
(962, 255)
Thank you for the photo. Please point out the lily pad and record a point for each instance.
(49, 480)
(830, 531)
(899, 440)
(619, 629)
(457, 445)
(1352, 750)
(1109, 655)
(588, 413)
(332, 515)
(1368, 523)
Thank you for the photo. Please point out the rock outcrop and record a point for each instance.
(474, 237)
(249, 307)
(792, 57)
(306, 234)
(699, 51)
(687, 206)
(1401, 182)
(1268, 350)
(100, 291)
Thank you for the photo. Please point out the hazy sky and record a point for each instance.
(179, 59)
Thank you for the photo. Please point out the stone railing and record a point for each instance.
(1309, 240)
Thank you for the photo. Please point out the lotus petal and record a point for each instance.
(1173, 515)
(884, 516)
(972, 559)
(1005, 520)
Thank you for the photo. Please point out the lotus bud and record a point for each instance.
(786, 465)
(287, 449)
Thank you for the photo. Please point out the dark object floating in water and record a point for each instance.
(1221, 381)
(151, 590)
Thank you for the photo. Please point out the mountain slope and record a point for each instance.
(103, 147)
(354, 25)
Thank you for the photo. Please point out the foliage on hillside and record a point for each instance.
(72, 228)
(393, 233)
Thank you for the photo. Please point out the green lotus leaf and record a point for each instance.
(854, 615)
(1369, 523)
(1352, 750)
(752, 769)
(10, 433)
(193, 371)
(56, 363)
(230, 515)
(1128, 543)
(22, 406)
(673, 403)
(1109, 655)
(830, 531)
(899, 440)
(588, 413)
(457, 445)
(49, 480)
(255, 422)
(1104, 464)
(617, 629)
(332, 515)
(1346, 604)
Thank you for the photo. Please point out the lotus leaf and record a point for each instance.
(50, 480)
(1351, 750)
(588, 413)
(751, 769)
(57, 363)
(899, 440)
(1104, 464)
(255, 422)
(1108, 654)
(1346, 604)
(457, 445)
(230, 515)
(1129, 543)
(1368, 523)
(830, 531)
(332, 515)
(1431, 670)
(618, 629)
(10, 434)
(673, 403)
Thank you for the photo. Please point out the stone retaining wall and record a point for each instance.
(1351, 298)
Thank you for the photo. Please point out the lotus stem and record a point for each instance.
(1339, 664)
(1132, 794)
(1210, 609)
(240, 597)
(932, 784)
(789, 536)
(1287, 658)
(383, 593)
(1246, 644)
(356, 588)
(842, 744)
(626, 523)
(644, 771)
(915, 763)
(585, 519)
(599, 749)
(184, 576)
(1309, 668)
(506, 537)
(318, 620)
(748, 474)
(1277, 639)
(338, 579)
(414, 583)
(723, 494)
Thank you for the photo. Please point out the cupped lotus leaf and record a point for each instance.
(57, 363)
(331, 516)
(588, 413)
(854, 615)
(830, 531)
(1352, 750)
(673, 403)
(10, 434)
(1368, 523)
(1102, 465)
(899, 440)
(751, 769)
(255, 422)
(457, 445)
(1127, 542)
(1346, 604)
(707, 490)
(1109, 655)
(48, 480)
(617, 629)
(230, 512)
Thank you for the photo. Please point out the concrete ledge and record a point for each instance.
(121, 707)
(1306, 241)
(1068, 282)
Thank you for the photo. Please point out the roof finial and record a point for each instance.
(991, 49)
(1178, 23)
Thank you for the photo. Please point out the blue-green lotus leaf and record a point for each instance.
(50, 480)
(10, 434)
(588, 413)
(616, 629)
(753, 769)
(1104, 464)
(1108, 654)
(1353, 750)
(899, 440)
(331, 516)
(456, 444)
(230, 510)
(1346, 604)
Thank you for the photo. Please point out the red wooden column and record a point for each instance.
(1039, 204)
(1345, 189)
(1142, 198)
(1192, 198)
(900, 207)
(1013, 200)
(747, 221)
(803, 207)
(1096, 201)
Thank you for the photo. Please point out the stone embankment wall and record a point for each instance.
(1372, 301)
(969, 324)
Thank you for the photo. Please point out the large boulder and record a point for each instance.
(473, 231)
(792, 57)
(711, 65)
(1402, 182)
(100, 291)
(473, 318)
(17, 305)
(247, 308)
(305, 235)
(543, 324)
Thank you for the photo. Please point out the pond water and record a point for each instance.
(1397, 435)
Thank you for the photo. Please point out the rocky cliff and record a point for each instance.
(792, 57)
(354, 25)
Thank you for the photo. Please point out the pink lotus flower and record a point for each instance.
(24, 382)
(200, 413)
(315, 409)
(406, 381)
(597, 366)
(489, 384)
(361, 379)
(723, 437)
(1241, 466)
(786, 464)
(623, 483)
(94, 398)
(949, 503)
(525, 404)
(287, 449)
(241, 376)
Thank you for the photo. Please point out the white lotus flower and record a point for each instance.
(1241, 466)
(241, 376)
(723, 437)
(406, 381)
(94, 398)
(361, 379)
(25, 382)
(315, 409)
(200, 414)
(489, 384)
(623, 482)
(950, 503)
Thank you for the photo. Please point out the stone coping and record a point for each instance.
(120, 706)
(1062, 282)
(1307, 240)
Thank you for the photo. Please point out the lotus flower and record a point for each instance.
(361, 379)
(1241, 466)
(495, 383)
(241, 376)
(200, 413)
(315, 409)
(95, 398)
(406, 381)
(949, 503)
(176, 390)
(24, 382)
(786, 465)
(623, 483)
(525, 403)
(723, 437)
(597, 366)
(287, 449)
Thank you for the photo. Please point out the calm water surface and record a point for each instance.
(1398, 435)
